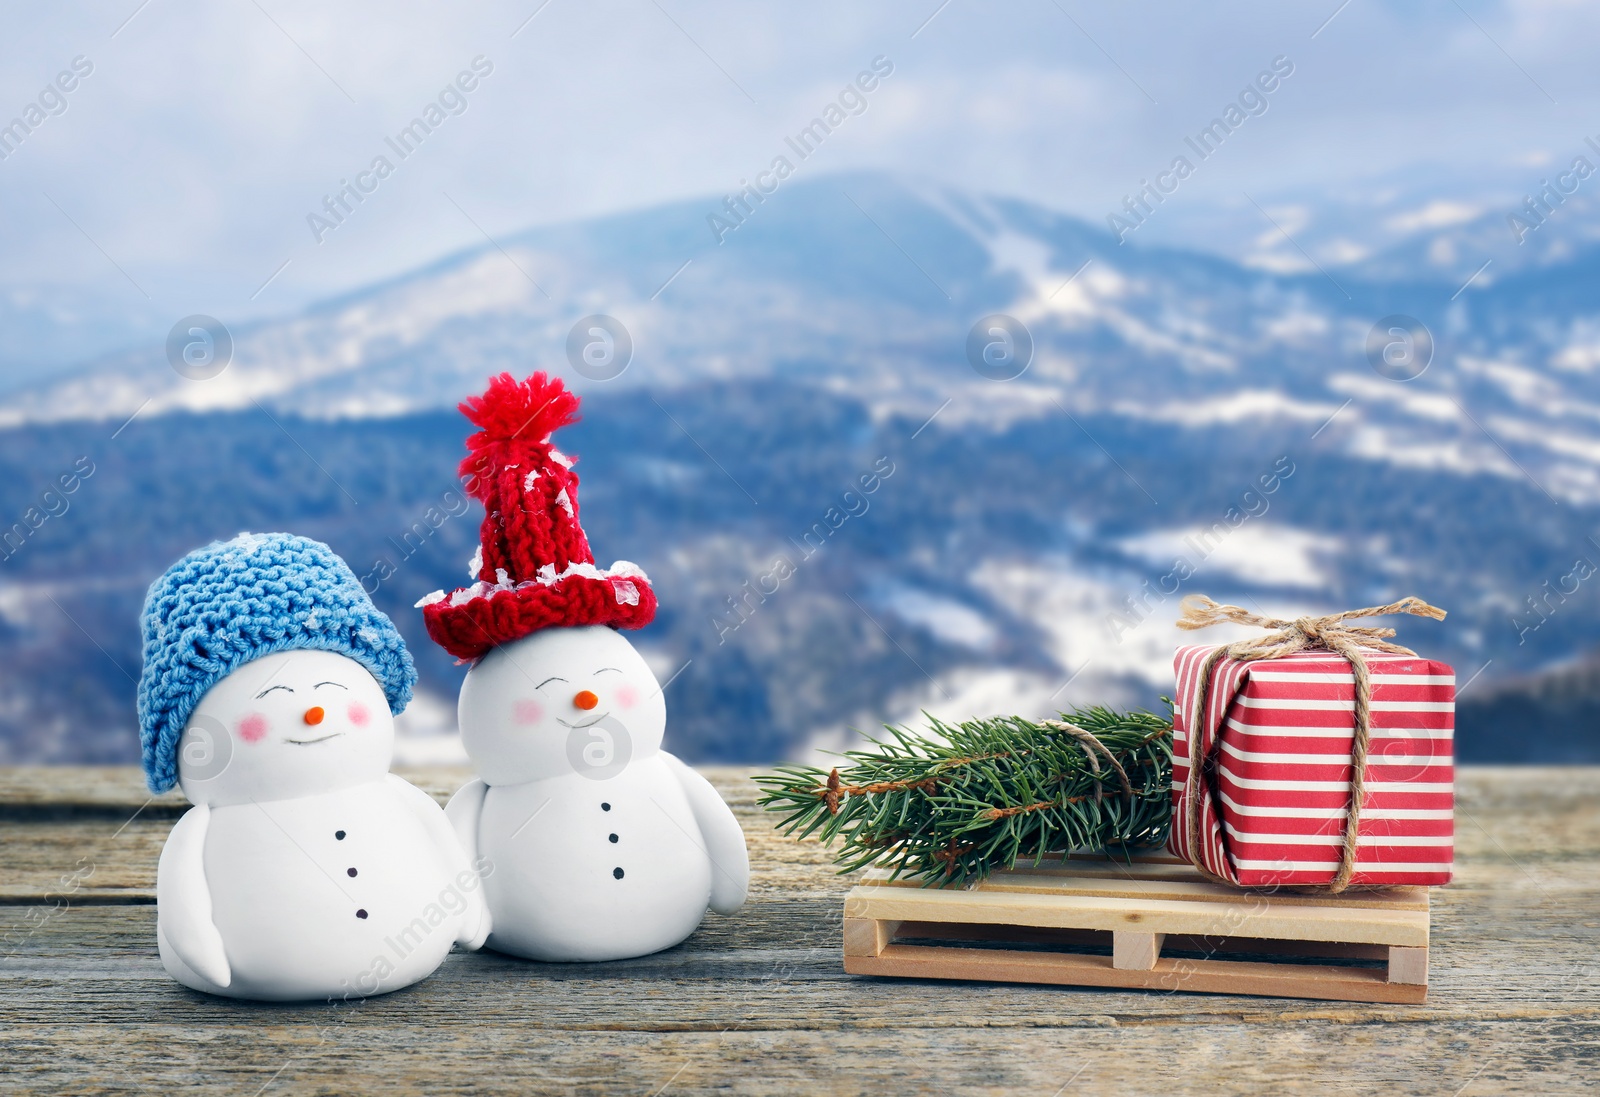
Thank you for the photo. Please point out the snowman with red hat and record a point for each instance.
(603, 845)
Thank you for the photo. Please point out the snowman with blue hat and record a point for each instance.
(305, 870)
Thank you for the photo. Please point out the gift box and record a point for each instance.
(1274, 795)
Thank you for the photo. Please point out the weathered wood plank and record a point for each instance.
(1337, 983)
(776, 964)
(112, 789)
(1093, 1055)
(1285, 921)
(759, 1003)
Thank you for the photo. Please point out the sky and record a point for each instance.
(180, 174)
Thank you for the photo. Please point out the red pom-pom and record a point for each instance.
(516, 415)
(530, 410)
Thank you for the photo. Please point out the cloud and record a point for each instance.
(180, 178)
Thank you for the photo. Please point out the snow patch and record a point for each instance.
(1581, 446)
(1027, 257)
(1518, 382)
(1071, 609)
(1297, 326)
(946, 619)
(1580, 357)
(1374, 443)
(1258, 553)
(1342, 251)
(1237, 407)
(1437, 214)
(1380, 392)
(1277, 263)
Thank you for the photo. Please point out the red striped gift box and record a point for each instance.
(1273, 808)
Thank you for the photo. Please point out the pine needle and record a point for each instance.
(967, 799)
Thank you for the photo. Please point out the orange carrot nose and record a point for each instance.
(314, 715)
(586, 699)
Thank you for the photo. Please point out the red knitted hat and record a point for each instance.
(534, 569)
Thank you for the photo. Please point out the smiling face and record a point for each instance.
(294, 723)
(562, 701)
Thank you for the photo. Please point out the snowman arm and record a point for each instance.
(730, 861)
(463, 812)
(183, 899)
(450, 840)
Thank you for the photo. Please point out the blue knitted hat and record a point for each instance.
(233, 601)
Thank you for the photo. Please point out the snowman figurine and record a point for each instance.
(305, 870)
(604, 846)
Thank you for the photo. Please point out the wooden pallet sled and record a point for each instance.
(1154, 924)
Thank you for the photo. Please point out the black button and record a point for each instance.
(617, 872)
(605, 807)
(339, 835)
(363, 913)
(350, 871)
(613, 837)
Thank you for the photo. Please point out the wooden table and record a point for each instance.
(758, 1003)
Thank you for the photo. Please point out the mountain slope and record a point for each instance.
(1185, 424)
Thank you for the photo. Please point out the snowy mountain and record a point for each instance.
(1184, 423)
(1400, 230)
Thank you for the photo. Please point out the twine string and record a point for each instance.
(1286, 637)
(1091, 745)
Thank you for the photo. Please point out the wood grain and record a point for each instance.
(1162, 974)
(1282, 920)
(759, 1002)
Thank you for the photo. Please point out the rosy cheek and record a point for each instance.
(627, 696)
(253, 728)
(529, 712)
(359, 714)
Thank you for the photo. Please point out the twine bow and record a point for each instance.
(1328, 633)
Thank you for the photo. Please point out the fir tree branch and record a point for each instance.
(964, 800)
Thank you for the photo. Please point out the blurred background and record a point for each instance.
(1001, 326)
